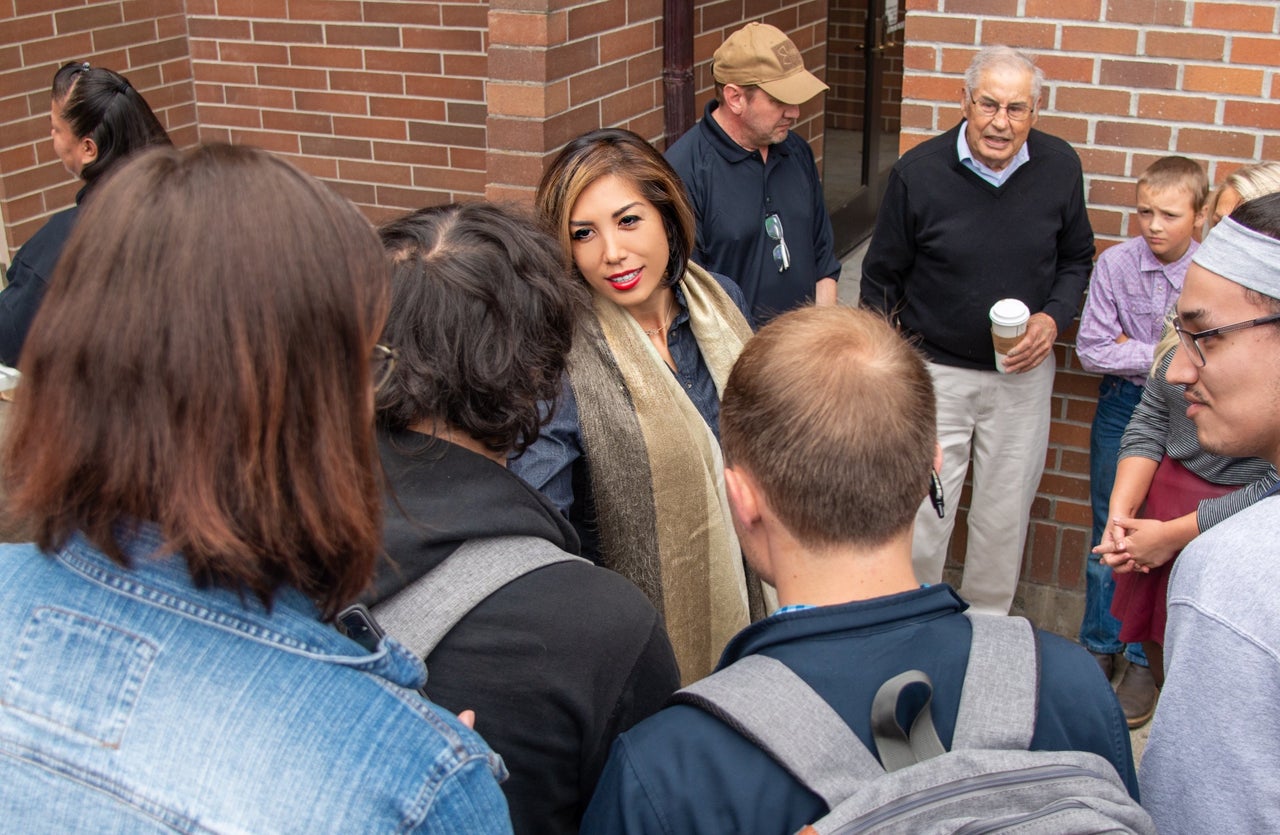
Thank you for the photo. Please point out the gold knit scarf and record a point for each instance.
(656, 471)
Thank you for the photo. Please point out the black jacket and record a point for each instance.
(28, 278)
(557, 663)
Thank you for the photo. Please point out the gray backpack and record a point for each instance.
(987, 782)
(422, 613)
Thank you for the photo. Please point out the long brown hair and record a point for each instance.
(623, 154)
(201, 362)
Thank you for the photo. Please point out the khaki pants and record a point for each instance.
(1003, 420)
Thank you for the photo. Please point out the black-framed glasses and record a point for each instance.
(381, 364)
(773, 228)
(1191, 341)
(1016, 111)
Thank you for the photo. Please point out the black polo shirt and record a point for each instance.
(732, 191)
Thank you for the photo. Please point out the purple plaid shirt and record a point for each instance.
(1130, 293)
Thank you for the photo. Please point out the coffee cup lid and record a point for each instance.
(1009, 312)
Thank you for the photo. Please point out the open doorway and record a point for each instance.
(863, 111)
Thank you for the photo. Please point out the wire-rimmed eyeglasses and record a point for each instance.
(773, 228)
(381, 364)
(1191, 341)
(1016, 111)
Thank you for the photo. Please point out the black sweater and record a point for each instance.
(555, 664)
(948, 245)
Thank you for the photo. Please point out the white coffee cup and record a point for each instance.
(1008, 326)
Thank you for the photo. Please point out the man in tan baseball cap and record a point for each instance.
(762, 220)
(760, 55)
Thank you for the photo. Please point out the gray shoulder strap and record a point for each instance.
(1001, 685)
(762, 699)
(423, 612)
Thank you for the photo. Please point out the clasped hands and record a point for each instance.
(1136, 544)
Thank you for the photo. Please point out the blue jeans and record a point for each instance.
(1099, 631)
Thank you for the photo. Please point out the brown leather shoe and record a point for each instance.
(1137, 694)
(1107, 661)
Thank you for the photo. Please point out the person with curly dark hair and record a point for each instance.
(97, 119)
(483, 316)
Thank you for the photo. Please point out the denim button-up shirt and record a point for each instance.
(548, 464)
(131, 701)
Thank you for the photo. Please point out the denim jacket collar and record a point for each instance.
(293, 625)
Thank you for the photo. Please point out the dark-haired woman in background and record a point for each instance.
(557, 662)
(193, 447)
(97, 119)
(631, 455)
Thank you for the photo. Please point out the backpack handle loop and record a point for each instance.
(897, 747)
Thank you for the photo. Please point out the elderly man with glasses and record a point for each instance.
(989, 210)
(1212, 757)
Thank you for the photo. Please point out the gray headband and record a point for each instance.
(1237, 253)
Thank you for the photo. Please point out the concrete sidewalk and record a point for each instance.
(851, 275)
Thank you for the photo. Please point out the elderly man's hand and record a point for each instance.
(1034, 346)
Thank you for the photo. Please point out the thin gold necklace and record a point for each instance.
(660, 328)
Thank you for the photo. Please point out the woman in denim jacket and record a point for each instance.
(192, 448)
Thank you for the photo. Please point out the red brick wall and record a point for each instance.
(559, 69)
(1129, 81)
(401, 104)
(396, 104)
(146, 41)
(384, 100)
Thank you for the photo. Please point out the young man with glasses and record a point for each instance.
(991, 209)
(753, 183)
(1212, 757)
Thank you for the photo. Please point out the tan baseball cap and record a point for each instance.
(761, 55)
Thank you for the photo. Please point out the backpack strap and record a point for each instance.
(999, 700)
(423, 612)
(767, 703)
(764, 701)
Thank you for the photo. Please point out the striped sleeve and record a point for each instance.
(1160, 427)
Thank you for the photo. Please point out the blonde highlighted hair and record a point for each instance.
(1250, 182)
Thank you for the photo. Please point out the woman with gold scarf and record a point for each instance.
(631, 453)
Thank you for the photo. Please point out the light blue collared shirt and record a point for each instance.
(996, 178)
